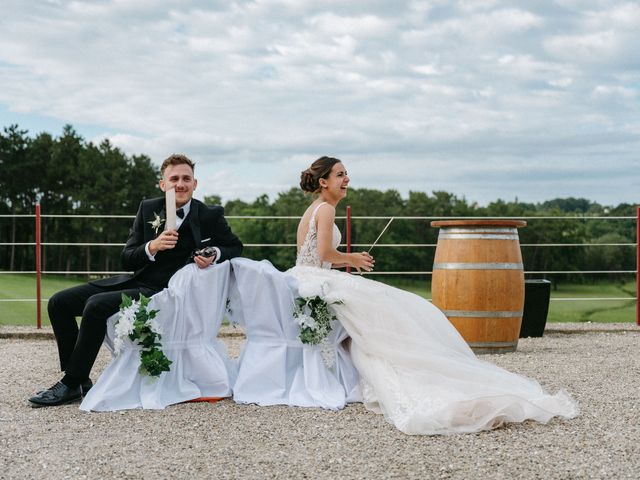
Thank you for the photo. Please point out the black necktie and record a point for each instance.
(180, 212)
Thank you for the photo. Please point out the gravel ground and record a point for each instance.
(601, 369)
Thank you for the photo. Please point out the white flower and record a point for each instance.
(156, 223)
(153, 361)
(313, 313)
(312, 288)
(307, 321)
(130, 312)
(122, 330)
(118, 345)
(124, 327)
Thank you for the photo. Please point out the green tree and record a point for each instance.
(251, 231)
(68, 175)
(611, 257)
(18, 186)
(64, 170)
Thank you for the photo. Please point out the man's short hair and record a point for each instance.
(177, 159)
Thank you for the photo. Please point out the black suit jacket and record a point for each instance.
(208, 228)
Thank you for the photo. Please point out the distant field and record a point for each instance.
(609, 311)
(17, 286)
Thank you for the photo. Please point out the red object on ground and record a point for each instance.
(205, 399)
(638, 267)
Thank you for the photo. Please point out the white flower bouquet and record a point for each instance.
(138, 324)
(314, 313)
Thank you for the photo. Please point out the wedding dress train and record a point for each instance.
(414, 366)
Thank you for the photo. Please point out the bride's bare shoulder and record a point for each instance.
(326, 211)
(320, 207)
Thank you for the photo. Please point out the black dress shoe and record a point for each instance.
(59, 394)
(85, 386)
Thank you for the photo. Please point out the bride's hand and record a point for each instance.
(361, 261)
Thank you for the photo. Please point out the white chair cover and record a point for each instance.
(191, 311)
(276, 368)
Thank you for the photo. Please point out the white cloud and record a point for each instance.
(364, 26)
(427, 69)
(596, 47)
(561, 82)
(254, 90)
(606, 91)
(625, 16)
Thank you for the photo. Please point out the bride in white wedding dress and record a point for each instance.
(414, 366)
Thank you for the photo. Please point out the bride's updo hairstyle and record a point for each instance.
(321, 168)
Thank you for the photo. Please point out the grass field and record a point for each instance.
(16, 286)
(608, 311)
(19, 286)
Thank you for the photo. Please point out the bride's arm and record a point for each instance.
(339, 265)
(325, 218)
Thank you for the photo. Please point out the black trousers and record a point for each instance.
(78, 347)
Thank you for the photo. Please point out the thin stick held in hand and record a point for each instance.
(381, 233)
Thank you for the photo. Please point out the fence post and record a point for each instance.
(638, 266)
(38, 271)
(349, 233)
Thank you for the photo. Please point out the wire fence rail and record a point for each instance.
(355, 217)
(38, 244)
(290, 245)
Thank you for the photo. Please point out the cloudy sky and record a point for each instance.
(483, 98)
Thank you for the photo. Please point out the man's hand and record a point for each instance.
(165, 241)
(203, 262)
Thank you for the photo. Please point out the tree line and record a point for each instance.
(69, 175)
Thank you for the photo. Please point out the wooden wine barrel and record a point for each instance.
(478, 281)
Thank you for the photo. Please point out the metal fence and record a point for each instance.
(38, 244)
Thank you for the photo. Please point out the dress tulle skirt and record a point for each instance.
(418, 371)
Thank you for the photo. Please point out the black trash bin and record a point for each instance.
(536, 307)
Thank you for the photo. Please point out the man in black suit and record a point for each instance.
(154, 254)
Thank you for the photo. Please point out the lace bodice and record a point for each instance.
(308, 255)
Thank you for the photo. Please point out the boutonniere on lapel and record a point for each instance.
(156, 223)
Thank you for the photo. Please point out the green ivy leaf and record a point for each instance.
(152, 360)
(126, 301)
